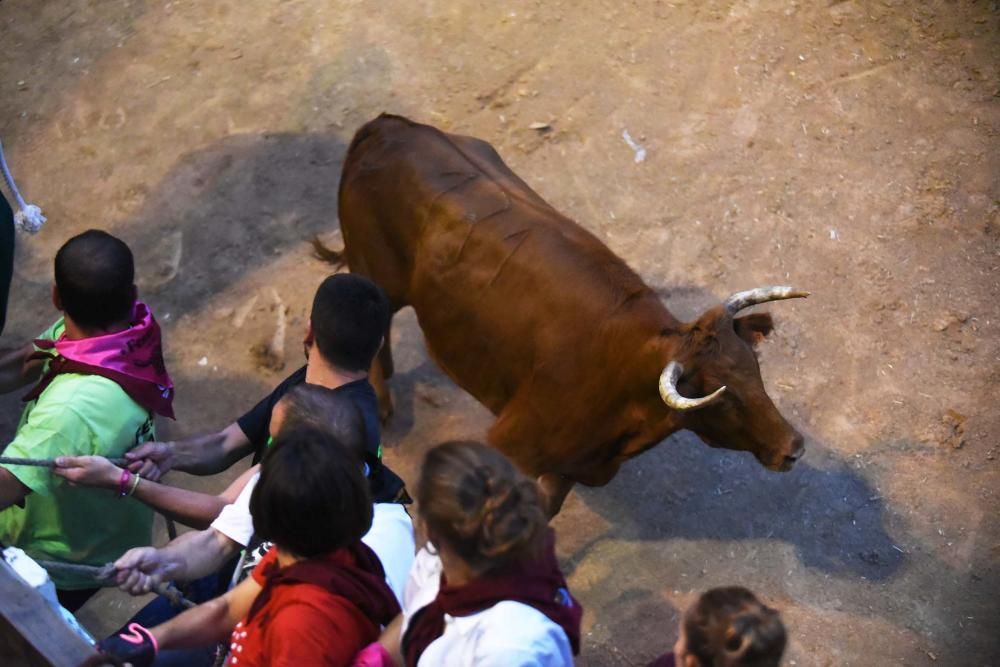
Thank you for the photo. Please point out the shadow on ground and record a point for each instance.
(222, 212)
(831, 514)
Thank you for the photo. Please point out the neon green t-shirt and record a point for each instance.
(76, 415)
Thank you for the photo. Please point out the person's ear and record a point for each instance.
(310, 336)
(56, 300)
(690, 661)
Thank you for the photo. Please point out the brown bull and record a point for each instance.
(580, 361)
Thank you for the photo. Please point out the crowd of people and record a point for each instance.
(310, 557)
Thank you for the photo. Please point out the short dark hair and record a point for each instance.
(95, 278)
(311, 498)
(350, 315)
(317, 407)
(730, 627)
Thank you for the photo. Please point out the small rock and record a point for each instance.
(955, 422)
(541, 127)
(203, 361)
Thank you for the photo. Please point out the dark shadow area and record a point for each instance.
(830, 513)
(631, 609)
(235, 207)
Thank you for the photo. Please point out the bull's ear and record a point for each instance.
(753, 328)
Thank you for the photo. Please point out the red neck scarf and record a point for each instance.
(353, 572)
(537, 583)
(133, 358)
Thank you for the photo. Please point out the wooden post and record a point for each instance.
(31, 632)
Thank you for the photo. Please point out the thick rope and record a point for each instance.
(48, 463)
(105, 576)
(29, 217)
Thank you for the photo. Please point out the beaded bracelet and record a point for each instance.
(123, 483)
(135, 484)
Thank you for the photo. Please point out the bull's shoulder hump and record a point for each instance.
(438, 155)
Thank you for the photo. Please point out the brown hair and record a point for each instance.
(474, 499)
(730, 627)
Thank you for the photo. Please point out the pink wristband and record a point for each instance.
(123, 483)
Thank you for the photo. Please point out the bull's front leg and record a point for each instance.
(554, 488)
(515, 433)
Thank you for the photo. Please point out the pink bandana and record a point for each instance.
(133, 358)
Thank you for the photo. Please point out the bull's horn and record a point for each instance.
(752, 297)
(673, 399)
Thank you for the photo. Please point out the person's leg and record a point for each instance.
(6, 256)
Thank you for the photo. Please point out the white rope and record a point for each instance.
(28, 218)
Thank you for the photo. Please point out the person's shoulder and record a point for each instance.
(309, 604)
(514, 626)
(54, 331)
(309, 625)
(86, 395)
(356, 389)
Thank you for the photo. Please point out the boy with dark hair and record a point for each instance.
(346, 329)
(102, 380)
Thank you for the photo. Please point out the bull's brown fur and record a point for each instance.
(533, 315)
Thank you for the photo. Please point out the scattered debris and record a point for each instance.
(169, 267)
(948, 319)
(833, 234)
(955, 422)
(428, 397)
(244, 311)
(540, 127)
(203, 361)
(640, 152)
(272, 355)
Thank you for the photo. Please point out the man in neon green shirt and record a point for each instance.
(102, 380)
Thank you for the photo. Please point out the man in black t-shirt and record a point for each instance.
(348, 321)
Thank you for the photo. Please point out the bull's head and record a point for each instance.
(716, 362)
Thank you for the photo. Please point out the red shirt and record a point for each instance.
(302, 624)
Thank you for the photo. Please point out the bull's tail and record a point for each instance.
(328, 255)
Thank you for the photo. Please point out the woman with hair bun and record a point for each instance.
(486, 589)
(728, 627)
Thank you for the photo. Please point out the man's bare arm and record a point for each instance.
(189, 557)
(16, 370)
(12, 490)
(199, 455)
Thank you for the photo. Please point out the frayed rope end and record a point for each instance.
(29, 219)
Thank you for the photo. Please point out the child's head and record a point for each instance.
(730, 627)
(314, 406)
(312, 497)
(474, 502)
(95, 280)
(350, 315)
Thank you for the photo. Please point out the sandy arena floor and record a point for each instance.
(846, 147)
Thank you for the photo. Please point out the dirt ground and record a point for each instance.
(849, 148)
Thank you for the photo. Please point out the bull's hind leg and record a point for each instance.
(381, 370)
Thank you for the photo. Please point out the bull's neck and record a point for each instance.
(665, 346)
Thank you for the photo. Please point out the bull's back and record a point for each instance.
(503, 285)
